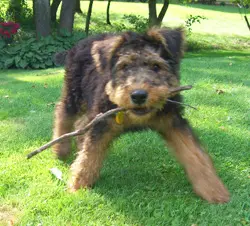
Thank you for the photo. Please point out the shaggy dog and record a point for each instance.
(133, 71)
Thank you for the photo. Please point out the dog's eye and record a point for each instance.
(156, 68)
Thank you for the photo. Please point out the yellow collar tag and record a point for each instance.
(119, 118)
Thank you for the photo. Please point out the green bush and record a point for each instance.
(125, 23)
(139, 23)
(35, 54)
(19, 11)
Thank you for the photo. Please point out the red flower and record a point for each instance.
(7, 29)
(16, 26)
(13, 31)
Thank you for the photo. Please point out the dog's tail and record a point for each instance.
(59, 59)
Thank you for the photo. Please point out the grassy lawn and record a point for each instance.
(224, 27)
(141, 183)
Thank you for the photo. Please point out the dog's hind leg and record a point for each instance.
(196, 162)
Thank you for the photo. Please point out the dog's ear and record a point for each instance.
(171, 39)
(103, 50)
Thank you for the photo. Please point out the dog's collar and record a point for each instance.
(119, 117)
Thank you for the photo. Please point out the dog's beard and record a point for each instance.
(140, 116)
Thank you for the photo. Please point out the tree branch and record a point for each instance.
(96, 120)
(248, 25)
(163, 11)
(179, 89)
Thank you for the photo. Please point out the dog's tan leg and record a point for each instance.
(63, 124)
(196, 162)
(86, 168)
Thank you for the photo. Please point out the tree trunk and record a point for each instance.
(53, 9)
(155, 20)
(108, 9)
(78, 7)
(67, 17)
(88, 17)
(152, 13)
(42, 18)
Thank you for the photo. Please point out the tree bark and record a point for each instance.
(42, 18)
(53, 9)
(67, 17)
(152, 13)
(108, 10)
(88, 17)
(155, 20)
(78, 7)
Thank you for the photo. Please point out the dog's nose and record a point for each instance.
(139, 96)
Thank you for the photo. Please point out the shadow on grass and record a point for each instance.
(216, 53)
(148, 186)
(28, 97)
(140, 178)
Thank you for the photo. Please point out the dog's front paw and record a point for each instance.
(211, 189)
(78, 183)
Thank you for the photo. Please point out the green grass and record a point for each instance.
(141, 183)
(224, 27)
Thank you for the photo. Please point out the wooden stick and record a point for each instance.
(179, 89)
(96, 120)
(177, 102)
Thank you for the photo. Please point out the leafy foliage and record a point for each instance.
(3, 8)
(193, 19)
(122, 23)
(18, 10)
(35, 54)
(139, 23)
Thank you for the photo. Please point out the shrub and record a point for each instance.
(35, 54)
(139, 23)
(18, 10)
(193, 19)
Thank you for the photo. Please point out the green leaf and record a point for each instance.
(48, 63)
(17, 59)
(9, 62)
(23, 64)
(35, 65)
(30, 54)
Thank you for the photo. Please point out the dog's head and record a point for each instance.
(143, 68)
